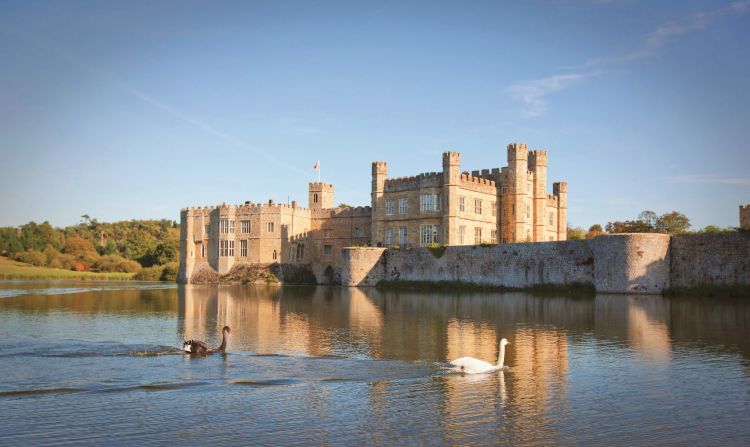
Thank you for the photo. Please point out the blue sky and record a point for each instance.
(126, 110)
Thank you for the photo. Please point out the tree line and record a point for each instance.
(673, 223)
(149, 248)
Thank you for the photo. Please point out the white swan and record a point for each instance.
(470, 365)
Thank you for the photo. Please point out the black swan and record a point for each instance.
(198, 347)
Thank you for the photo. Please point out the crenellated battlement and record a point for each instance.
(475, 177)
(537, 158)
(451, 158)
(423, 180)
(517, 152)
(379, 167)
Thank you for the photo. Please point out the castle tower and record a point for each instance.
(379, 174)
(187, 247)
(538, 165)
(518, 196)
(560, 190)
(451, 187)
(320, 196)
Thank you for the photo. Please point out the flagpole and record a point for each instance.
(318, 171)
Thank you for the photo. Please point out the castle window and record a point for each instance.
(477, 236)
(205, 231)
(243, 248)
(270, 228)
(403, 205)
(477, 206)
(514, 209)
(359, 232)
(388, 207)
(315, 198)
(327, 249)
(504, 190)
(494, 208)
(203, 251)
(226, 226)
(402, 234)
(461, 203)
(226, 248)
(388, 237)
(300, 252)
(429, 202)
(429, 234)
(273, 255)
(461, 234)
(244, 226)
(493, 236)
(328, 233)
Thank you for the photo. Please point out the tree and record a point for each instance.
(80, 248)
(10, 244)
(37, 236)
(164, 253)
(649, 218)
(576, 233)
(629, 226)
(673, 223)
(594, 231)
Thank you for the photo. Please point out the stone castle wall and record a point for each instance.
(623, 263)
(710, 259)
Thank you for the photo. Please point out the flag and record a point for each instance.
(316, 166)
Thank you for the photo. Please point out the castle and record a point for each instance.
(491, 206)
(745, 217)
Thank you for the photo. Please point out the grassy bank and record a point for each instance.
(10, 269)
(460, 286)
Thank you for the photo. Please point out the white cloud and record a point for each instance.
(533, 92)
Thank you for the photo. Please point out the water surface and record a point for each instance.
(87, 363)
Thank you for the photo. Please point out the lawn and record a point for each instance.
(10, 269)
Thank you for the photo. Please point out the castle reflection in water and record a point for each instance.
(423, 326)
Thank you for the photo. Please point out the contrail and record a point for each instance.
(201, 125)
(125, 87)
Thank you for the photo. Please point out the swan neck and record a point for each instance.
(223, 346)
(501, 356)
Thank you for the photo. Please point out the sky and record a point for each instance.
(133, 110)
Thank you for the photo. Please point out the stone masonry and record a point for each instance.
(448, 208)
(499, 205)
(745, 217)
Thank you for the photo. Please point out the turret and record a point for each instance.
(538, 165)
(560, 190)
(519, 199)
(320, 195)
(451, 188)
(379, 174)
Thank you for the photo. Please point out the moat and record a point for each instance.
(87, 363)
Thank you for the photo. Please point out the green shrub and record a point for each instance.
(32, 257)
(150, 273)
(169, 272)
(114, 263)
